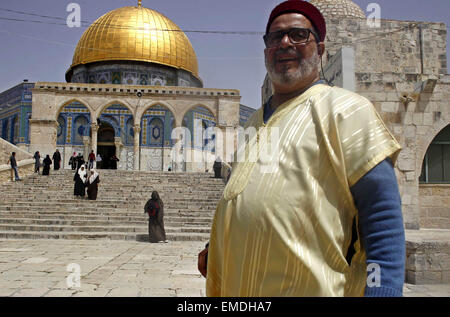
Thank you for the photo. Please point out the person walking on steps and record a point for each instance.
(155, 210)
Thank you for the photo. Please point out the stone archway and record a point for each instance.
(117, 117)
(73, 127)
(434, 182)
(199, 148)
(106, 147)
(157, 123)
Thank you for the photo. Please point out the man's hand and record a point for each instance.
(202, 261)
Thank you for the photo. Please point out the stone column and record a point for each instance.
(94, 129)
(43, 136)
(177, 152)
(118, 143)
(86, 143)
(137, 131)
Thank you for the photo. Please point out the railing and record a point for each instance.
(25, 162)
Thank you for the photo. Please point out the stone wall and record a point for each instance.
(427, 257)
(25, 161)
(7, 148)
(396, 46)
(414, 118)
(434, 206)
(391, 62)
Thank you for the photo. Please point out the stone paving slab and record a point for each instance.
(115, 268)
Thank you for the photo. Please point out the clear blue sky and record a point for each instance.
(43, 52)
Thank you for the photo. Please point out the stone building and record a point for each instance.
(129, 86)
(401, 67)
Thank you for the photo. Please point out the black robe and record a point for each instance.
(113, 162)
(47, 163)
(217, 169)
(37, 162)
(92, 188)
(73, 162)
(80, 161)
(156, 231)
(80, 187)
(57, 160)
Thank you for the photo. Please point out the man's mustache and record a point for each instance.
(289, 51)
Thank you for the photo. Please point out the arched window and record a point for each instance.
(81, 126)
(15, 136)
(156, 131)
(61, 132)
(6, 130)
(436, 165)
(205, 135)
(130, 132)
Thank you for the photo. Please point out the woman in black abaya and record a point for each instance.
(47, 162)
(155, 210)
(80, 180)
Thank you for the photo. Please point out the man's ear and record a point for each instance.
(321, 49)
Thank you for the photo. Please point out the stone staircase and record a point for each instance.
(42, 207)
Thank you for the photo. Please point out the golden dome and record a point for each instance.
(136, 34)
(339, 9)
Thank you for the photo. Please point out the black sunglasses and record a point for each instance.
(296, 36)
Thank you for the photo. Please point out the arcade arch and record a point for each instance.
(436, 163)
(434, 182)
(114, 139)
(157, 123)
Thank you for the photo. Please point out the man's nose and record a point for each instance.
(285, 41)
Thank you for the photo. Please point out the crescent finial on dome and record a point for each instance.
(139, 3)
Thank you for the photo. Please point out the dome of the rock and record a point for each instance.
(134, 34)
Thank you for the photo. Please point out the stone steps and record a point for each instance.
(100, 235)
(99, 209)
(142, 228)
(27, 218)
(100, 205)
(77, 223)
(45, 208)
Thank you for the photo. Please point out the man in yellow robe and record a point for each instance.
(286, 223)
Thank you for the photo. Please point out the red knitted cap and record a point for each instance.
(305, 8)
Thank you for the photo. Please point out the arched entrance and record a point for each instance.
(156, 127)
(74, 125)
(434, 183)
(115, 137)
(105, 145)
(200, 149)
(436, 164)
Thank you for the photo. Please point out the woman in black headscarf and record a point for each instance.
(47, 162)
(80, 177)
(37, 162)
(155, 210)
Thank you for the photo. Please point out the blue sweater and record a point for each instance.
(377, 199)
(381, 230)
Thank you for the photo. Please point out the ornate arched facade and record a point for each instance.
(142, 125)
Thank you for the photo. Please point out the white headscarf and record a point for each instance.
(82, 173)
(93, 177)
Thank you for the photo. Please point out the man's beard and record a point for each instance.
(306, 68)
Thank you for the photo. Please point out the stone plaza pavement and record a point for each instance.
(114, 268)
